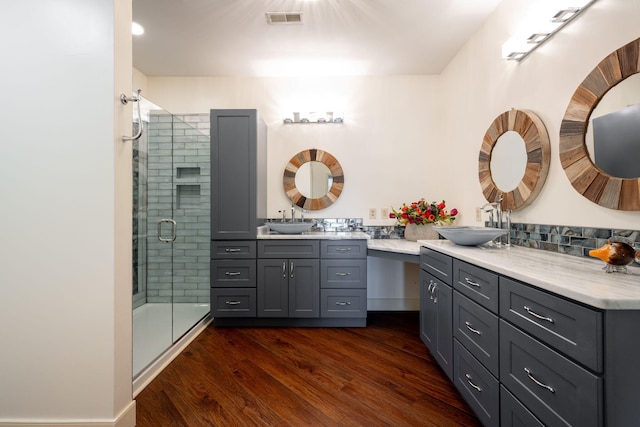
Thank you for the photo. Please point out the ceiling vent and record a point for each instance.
(284, 17)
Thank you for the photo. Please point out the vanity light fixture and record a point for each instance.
(542, 26)
(313, 117)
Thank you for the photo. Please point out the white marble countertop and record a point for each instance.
(400, 246)
(317, 235)
(577, 278)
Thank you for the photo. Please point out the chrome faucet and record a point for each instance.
(508, 216)
(293, 212)
(498, 204)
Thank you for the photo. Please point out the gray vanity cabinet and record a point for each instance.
(288, 278)
(436, 305)
(238, 174)
(289, 282)
(524, 356)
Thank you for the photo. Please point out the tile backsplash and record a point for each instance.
(564, 239)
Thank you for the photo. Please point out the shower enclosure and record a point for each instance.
(171, 204)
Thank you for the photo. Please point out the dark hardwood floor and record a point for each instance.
(381, 375)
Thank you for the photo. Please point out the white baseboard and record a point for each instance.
(167, 357)
(393, 304)
(127, 418)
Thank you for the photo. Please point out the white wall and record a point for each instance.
(65, 293)
(479, 85)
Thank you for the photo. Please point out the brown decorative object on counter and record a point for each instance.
(616, 254)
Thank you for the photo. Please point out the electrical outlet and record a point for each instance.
(372, 213)
(384, 212)
(478, 215)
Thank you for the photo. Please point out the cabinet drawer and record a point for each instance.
(231, 302)
(480, 389)
(347, 249)
(288, 248)
(343, 273)
(343, 303)
(555, 389)
(233, 273)
(513, 413)
(570, 328)
(437, 264)
(477, 329)
(225, 249)
(476, 283)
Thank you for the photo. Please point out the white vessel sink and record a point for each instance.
(469, 236)
(289, 227)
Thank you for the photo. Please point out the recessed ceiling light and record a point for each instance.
(137, 29)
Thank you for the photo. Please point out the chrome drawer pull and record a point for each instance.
(343, 250)
(232, 273)
(538, 316)
(291, 268)
(343, 303)
(475, 331)
(532, 378)
(469, 378)
(232, 250)
(343, 274)
(232, 302)
(284, 269)
(471, 282)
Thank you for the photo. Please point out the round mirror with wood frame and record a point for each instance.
(587, 179)
(536, 140)
(294, 194)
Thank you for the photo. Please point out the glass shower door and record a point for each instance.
(171, 231)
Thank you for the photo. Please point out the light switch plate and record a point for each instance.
(384, 213)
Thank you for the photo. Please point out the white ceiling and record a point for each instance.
(338, 37)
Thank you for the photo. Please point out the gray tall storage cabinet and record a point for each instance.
(238, 174)
(238, 202)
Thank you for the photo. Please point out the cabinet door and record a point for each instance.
(444, 338)
(272, 288)
(428, 320)
(237, 140)
(304, 288)
(436, 320)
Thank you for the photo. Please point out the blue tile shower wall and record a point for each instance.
(179, 188)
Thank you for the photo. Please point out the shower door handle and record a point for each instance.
(174, 227)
